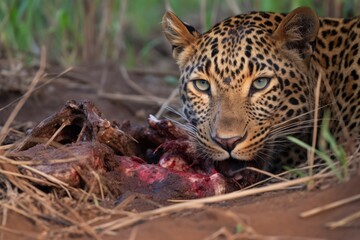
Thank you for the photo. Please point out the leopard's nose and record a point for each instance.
(229, 143)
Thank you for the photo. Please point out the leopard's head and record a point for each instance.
(244, 79)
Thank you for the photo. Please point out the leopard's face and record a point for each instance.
(241, 81)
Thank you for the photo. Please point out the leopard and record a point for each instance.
(256, 78)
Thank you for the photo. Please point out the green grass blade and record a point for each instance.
(321, 154)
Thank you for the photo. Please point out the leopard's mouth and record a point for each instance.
(240, 169)
(231, 167)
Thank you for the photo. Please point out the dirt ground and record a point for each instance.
(271, 214)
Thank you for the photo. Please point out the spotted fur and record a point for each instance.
(292, 51)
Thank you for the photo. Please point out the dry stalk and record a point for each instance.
(203, 4)
(339, 115)
(63, 125)
(250, 233)
(38, 162)
(38, 87)
(133, 233)
(13, 175)
(4, 131)
(49, 178)
(93, 184)
(310, 186)
(279, 175)
(342, 222)
(23, 213)
(166, 103)
(234, 7)
(106, 15)
(356, 155)
(222, 232)
(6, 147)
(89, 48)
(19, 175)
(128, 221)
(126, 201)
(4, 220)
(120, 44)
(148, 100)
(273, 176)
(80, 222)
(85, 196)
(131, 83)
(329, 206)
(103, 79)
(50, 205)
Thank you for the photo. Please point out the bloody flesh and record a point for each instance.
(158, 159)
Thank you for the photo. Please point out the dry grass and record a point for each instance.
(329, 206)
(315, 128)
(75, 214)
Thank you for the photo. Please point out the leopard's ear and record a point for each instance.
(178, 33)
(297, 30)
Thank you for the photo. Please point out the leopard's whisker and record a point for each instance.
(302, 115)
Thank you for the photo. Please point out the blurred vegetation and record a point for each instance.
(78, 31)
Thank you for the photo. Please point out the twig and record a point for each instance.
(329, 206)
(34, 82)
(344, 220)
(167, 102)
(148, 100)
(131, 83)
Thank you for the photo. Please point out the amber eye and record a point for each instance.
(260, 83)
(201, 85)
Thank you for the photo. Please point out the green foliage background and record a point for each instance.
(77, 31)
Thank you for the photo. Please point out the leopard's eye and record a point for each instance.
(201, 85)
(260, 83)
